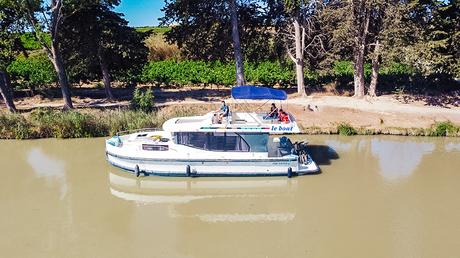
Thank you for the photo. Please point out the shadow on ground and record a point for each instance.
(444, 100)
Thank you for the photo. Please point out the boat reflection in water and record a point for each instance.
(211, 199)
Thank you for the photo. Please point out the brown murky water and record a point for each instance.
(376, 197)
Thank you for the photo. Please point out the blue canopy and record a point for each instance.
(255, 92)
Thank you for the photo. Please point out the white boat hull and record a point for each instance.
(214, 167)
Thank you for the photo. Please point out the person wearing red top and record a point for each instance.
(283, 117)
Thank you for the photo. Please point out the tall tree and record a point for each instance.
(236, 44)
(368, 21)
(436, 49)
(303, 35)
(360, 14)
(97, 38)
(43, 18)
(202, 29)
(382, 17)
(9, 30)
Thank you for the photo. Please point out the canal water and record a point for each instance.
(377, 196)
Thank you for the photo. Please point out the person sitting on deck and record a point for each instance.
(283, 117)
(273, 112)
(223, 111)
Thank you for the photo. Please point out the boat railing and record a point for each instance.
(137, 131)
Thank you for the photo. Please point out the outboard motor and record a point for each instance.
(301, 151)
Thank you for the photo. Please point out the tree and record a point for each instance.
(382, 15)
(236, 44)
(202, 29)
(369, 24)
(437, 47)
(303, 35)
(360, 15)
(97, 41)
(5, 91)
(44, 19)
(9, 45)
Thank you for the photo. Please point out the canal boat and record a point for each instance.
(240, 144)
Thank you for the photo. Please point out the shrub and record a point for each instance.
(346, 129)
(269, 73)
(172, 72)
(31, 72)
(343, 69)
(142, 101)
(444, 129)
(124, 120)
(51, 123)
(69, 124)
(397, 69)
(14, 126)
(48, 123)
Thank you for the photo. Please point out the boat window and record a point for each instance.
(216, 142)
(227, 142)
(197, 140)
(152, 147)
(257, 142)
(213, 141)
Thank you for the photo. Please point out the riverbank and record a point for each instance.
(316, 114)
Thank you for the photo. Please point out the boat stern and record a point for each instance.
(308, 167)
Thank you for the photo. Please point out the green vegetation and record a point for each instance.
(154, 29)
(346, 129)
(444, 129)
(31, 72)
(14, 126)
(187, 72)
(142, 101)
(51, 123)
(36, 71)
(171, 72)
(29, 41)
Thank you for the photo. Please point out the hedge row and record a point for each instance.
(200, 72)
(37, 71)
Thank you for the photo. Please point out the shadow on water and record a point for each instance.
(322, 154)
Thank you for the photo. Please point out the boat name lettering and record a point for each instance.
(280, 128)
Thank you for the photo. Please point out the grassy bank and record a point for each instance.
(51, 123)
(439, 129)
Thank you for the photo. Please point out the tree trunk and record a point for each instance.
(299, 59)
(58, 64)
(237, 45)
(359, 71)
(375, 70)
(5, 91)
(105, 74)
